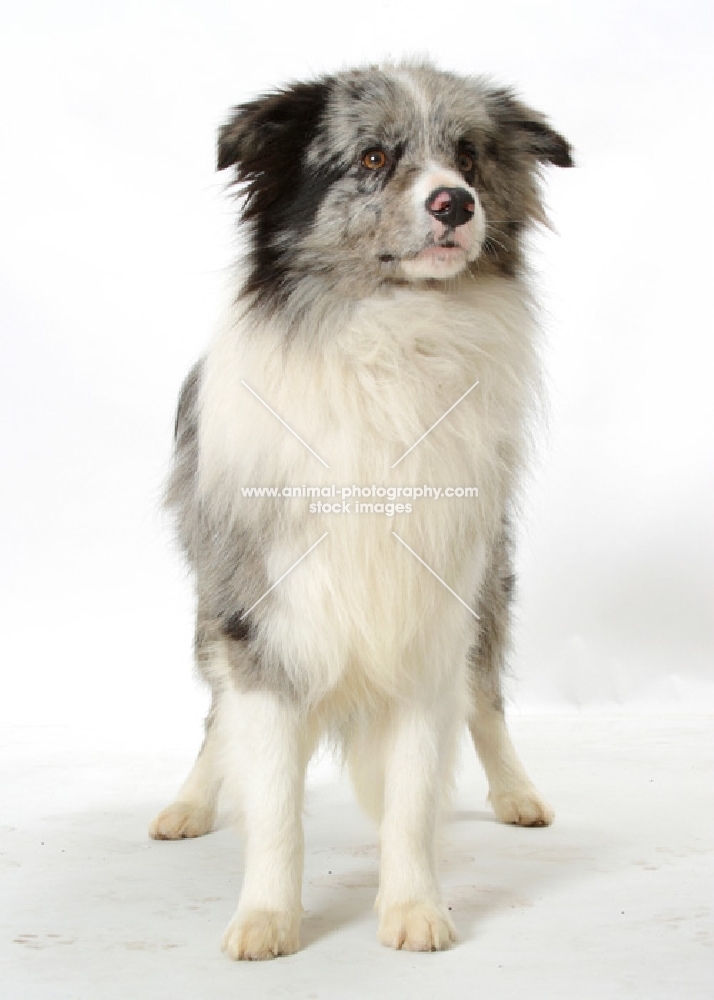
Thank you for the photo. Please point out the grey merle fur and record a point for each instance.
(226, 559)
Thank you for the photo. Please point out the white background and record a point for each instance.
(115, 242)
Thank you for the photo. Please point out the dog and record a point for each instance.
(382, 339)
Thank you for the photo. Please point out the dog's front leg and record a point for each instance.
(265, 776)
(418, 755)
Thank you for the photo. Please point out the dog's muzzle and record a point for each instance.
(451, 206)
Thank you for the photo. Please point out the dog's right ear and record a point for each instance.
(247, 132)
(275, 125)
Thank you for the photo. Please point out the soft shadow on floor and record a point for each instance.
(471, 816)
(101, 865)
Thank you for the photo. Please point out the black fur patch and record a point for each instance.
(266, 141)
(237, 627)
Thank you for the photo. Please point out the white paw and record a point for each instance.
(181, 819)
(416, 927)
(522, 806)
(259, 934)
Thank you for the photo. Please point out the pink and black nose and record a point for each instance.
(451, 206)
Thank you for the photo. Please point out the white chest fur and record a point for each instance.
(360, 393)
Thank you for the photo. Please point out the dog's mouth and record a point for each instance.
(445, 252)
(441, 253)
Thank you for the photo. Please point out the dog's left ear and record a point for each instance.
(529, 130)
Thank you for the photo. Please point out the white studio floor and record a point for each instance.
(614, 900)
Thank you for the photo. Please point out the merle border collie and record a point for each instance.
(380, 341)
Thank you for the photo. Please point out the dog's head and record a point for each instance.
(383, 175)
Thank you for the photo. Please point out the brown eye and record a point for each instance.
(465, 162)
(374, 159)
